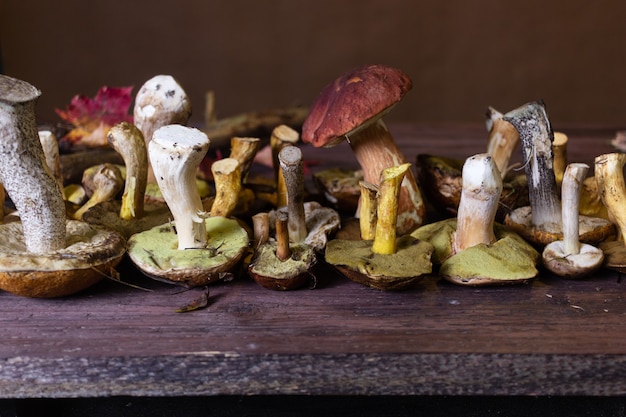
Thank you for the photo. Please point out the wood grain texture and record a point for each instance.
(550, 337)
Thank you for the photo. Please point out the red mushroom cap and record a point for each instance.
(355, 98)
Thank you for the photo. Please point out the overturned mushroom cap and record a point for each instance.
(367, 91)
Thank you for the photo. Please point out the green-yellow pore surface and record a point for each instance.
(158, 247)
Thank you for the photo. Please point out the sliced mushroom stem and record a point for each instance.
(128, 141)
(482, 186)
(559, 150)
(292, 167)
(175, 152)
(609, 172)
(283, 250)
(244, 149)
(503, 139)
(376, 150)
(536, 135)
(389, 192)
(107, 182)
(50, 146)
(160, 101)
(573, 177)
(368, 215)
(281, 137)
(260, 228)
(227, 177)
(23, 172)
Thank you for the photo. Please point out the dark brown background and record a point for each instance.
(462, 55)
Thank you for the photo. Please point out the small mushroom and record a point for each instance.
(351, 108)
(43, 255)
(609, 170)
(195, 249)
(107, 182)
(387, 262)
(540, 222)
(569, 258)
(472, 249)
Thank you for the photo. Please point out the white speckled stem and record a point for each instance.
(23, 170)
(292, 167)
(175, 152)
(573, 177)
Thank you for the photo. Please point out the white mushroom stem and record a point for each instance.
(175, 152)
(23, 172)
(292, 167)
(50, 146)
(375, 150)
(227, 177)
(573, 177)
(536, 135)
(128, 141)
(482, 186)
(160, 101)
(503, 139)
(609, 173)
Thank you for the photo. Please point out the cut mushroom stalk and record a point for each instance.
(559, 150)
(503, 139)
(281, 137)
(50, 146)
(368, 210)
(283, 251)
(291, 165)
(244, 149)
(227, 177)
(261, 229)
(387, 209)
(609, 170)
(129, 142)
(175, 152)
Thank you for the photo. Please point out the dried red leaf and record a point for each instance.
(93, 117)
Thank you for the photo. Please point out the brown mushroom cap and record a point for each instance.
(355, 98)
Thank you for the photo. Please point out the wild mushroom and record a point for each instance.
(472, 249)
(540, 222)
(569, 258)
(43, 255)
(351, 108)
(195, 249)
(387, 262)
(609, 170)
(107, 183)
(159, 102)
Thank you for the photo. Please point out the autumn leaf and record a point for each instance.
(92, 118)
(197, 303)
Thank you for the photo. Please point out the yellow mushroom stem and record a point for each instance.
(227, 177)
(368, 210)
(503, 139)
(609, 172)
(573, 177)
(283, 251)
(128, 141)
(387, 209)
(244, 149)
(482, 186)
(292, 167)
(107, 182)
(281, 137)
(559, 151)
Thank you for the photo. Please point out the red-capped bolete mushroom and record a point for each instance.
(609, 170)
(569, 257)
(351, 109)
(387, 262)
(472, 249)
(540, 222)
(196, 249)
(43, 255)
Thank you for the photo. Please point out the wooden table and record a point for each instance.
(553, 337)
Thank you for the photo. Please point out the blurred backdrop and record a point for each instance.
(461, 55)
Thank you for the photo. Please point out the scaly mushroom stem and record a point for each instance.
(30, 185)
(609, 172)
(482, 186)
(559, 150)
(50, 146)
(368, 210)
(227, 177)
(292, 167)
(281, 137)
(160, 101)
(376, 150)
(260, 228)
(2, 198)
(533, 125)
(244, 150)
(570, 200)
(503, 139)
(128, 141)
(283, 251)
(175, 152)
(389, 192)
(107, 182)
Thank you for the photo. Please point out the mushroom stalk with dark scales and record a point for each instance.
(292, 169)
